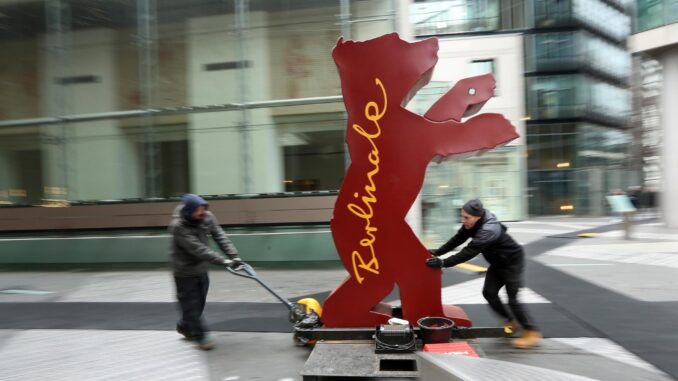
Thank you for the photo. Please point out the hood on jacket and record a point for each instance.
(191, 203)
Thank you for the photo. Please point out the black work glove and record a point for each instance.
(433, 252)
(435, 263)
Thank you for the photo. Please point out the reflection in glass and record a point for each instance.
(576, 95)
(456, 16)
(493, 177)
(588, 155)
(78, 58)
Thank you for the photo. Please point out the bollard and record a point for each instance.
(627, 224)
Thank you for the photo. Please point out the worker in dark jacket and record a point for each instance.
(191, 224)
(507, 262)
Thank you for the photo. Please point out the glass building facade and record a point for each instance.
(469, 16)
(145, 99)
(495, 177)
(577, 102)
(578, 105)
(652, 14)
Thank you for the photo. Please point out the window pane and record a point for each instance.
(480, 67)
(650, 14)
(493, 177)
(671, 13)
(313, 151)
(441, 17)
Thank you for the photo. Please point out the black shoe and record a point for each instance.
(184, 332)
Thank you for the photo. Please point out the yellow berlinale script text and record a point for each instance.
(364, 209)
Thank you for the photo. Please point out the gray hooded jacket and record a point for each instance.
(189, 248)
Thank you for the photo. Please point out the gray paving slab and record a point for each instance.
(556, 355)
(643, 282)
(255, 356)
(66, 355)
(5, 336)
(440, 367)
(357, 359)
(158, 286)
(57, 284)
(119, 286)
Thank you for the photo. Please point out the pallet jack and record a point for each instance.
(304, 314)
(389, 349)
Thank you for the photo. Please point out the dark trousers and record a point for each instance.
(192, 294)
(511, 277)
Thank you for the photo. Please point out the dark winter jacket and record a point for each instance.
(488, 236)
(189, 249)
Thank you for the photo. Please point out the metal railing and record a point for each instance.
(169, 111)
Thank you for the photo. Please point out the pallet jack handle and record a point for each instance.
(246, 271)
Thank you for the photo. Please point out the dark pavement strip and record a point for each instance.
(647, 329)
(244, 317)
(232, 317)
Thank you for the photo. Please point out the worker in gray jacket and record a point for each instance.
(190, 227)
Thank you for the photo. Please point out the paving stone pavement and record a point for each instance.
(260, 348)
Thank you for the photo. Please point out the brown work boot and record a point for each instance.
(511, 327)
(529, 339)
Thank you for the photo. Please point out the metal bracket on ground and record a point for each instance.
(337, 334)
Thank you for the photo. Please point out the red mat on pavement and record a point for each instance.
(460, 348)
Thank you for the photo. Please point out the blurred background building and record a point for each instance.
(655, 45)
(117, 107)
(572, 54)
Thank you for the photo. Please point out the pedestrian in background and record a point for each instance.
(190, 227)
(507, 263)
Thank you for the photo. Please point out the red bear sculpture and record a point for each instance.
(390, 148)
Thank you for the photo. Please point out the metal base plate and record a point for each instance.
(368, 333)
(357, 359)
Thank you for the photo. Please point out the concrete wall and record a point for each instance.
(669, 100)
(96, 161)
(654, 39)
(133, 247)
(300, 54)
(7, 174)
(19, 86)
(381, 11)
(454, 63)
(217, 154)
(662, 44)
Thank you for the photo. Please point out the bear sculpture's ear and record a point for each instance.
(336, 52)
(340, 48)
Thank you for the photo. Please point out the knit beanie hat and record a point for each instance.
(474, 207)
